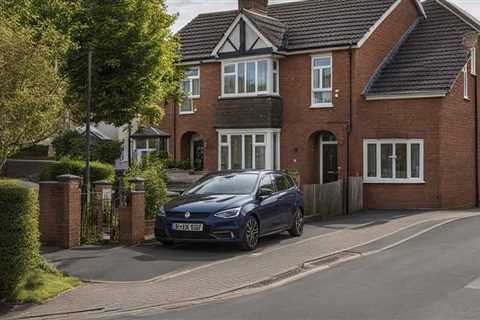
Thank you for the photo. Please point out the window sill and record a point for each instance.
(321, 106)
(393, 181)
(260, 95)
(467, 99)
(186, 113)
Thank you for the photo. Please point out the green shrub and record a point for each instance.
(98, 170)
(153, 172)
(106, 151)
(19, 235)
(294, 173)
(178, 164)
(71, 144)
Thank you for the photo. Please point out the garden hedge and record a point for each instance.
(98, 170)
(19, 235)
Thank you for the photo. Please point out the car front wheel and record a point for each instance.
(167, 243)
(297, 226)
(250, 235)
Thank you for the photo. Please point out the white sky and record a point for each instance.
(188, 9)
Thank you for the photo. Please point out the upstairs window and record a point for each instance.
(191, 90)
(245, 78)
(393, 161)
(322, 81)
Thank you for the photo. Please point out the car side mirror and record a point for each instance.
(265, 192)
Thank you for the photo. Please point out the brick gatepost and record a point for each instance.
(60, 212)
(132, 217)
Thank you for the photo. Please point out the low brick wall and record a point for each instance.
(149, 228)
(16, 168)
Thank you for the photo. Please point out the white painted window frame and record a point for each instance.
(314, 90)
(276, 72)
(147, 149)
(268, 144)
(465, 82)
(190, 95)
(256, 60)
(378, 178)
(473, 60)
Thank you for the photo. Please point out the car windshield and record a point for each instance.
(225, 184)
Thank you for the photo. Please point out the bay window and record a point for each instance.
(246, 78)
(393, 161)
(322, 81)
(191, 89)
(249, 149)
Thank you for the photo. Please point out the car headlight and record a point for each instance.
(161, 212)
(229, 213)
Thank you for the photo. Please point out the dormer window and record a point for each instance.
(250, 77)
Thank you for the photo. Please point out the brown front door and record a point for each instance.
(329, 163)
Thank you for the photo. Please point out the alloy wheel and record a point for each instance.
(251, 232)
(299, 221)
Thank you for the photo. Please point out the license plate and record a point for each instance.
(193, 227)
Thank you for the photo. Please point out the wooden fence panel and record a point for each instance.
(326, 200)
(356, 194)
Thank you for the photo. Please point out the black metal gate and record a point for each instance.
(100, 217)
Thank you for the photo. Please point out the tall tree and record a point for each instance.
(31, 90)
(134, 56)
(51, 22)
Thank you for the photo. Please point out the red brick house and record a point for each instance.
(382, 89)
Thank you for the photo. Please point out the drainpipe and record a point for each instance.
(477, 182)
(348, 131)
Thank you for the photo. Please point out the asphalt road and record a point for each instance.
(432, 277)
(136, 263)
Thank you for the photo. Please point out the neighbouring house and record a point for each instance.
(382, 89)
(143, 141)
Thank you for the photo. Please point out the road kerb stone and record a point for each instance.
(228, 276)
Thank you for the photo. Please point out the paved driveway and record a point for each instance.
(148, 261)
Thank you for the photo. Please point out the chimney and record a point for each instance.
(258, 5)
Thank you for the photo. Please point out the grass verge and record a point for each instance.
(44, 283)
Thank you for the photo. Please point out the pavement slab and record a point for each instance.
(235, 272)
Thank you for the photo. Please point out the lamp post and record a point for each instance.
(87, 127)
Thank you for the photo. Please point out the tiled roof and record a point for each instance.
(273, 29)
(149, 132)
(429, 59)
(310, 24)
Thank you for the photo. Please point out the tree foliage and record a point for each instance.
(71, 144)
(51, 22)
(31, 91)
(134, 55)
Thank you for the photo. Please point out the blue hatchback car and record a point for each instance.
(238, 207)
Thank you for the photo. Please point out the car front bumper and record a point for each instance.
(214, 229)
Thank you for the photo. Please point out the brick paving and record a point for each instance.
(229, 274)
